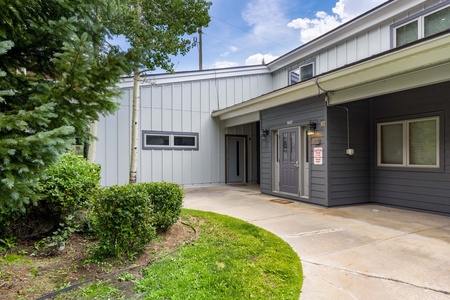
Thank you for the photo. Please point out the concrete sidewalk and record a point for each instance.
(353, 252)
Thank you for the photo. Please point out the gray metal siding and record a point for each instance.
(183, 106)
(426, 189)
(300, 113)
(349, 176)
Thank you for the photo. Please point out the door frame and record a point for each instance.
(244, 137)
(304, 185)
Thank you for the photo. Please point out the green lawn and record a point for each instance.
(231, 259)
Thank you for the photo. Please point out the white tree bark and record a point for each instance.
(135, 128)
(92, 142)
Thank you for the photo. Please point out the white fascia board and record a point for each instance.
(244, 119)
(367, 79)
(384, 14)
(171, 78)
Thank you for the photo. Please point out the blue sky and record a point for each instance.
(243, 32)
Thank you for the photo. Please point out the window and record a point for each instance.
(427, 23)
(302, 73)
(169, 140)
(409, 143)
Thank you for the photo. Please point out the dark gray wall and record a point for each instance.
(425, 189)
(349, 176)
(300, 114)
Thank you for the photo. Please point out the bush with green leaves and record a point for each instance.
(167, 200)
(123, 221)
(68, 186)
(65, 190)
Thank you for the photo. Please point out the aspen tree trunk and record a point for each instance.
(135, 113)
(135, 127)
(92, 142)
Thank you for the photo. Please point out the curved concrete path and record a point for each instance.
(353, 252)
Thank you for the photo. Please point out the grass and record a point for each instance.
(230, 260)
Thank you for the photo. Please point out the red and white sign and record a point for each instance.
(318, 156)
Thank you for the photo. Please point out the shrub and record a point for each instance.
(167, 200)
(123, 220)
(66, 188)
(69, 185)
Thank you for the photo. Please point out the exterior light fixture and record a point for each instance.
(264, 132)
(311, 128)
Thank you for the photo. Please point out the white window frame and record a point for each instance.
(171, 135)
(420, 19)
(298, 68)
(406, 142)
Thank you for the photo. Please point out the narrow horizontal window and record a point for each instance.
(157, 140)
(184, 141)
(162, 140)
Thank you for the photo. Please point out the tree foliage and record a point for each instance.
(59, 74)
(155, 30)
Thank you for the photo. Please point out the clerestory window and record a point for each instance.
(427, 23)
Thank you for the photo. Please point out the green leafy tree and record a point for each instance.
(155, 31)
(61, 74)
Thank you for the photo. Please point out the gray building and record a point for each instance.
(357, 115)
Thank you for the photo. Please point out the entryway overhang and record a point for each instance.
(418, 65)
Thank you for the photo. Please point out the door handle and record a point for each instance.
(296, 164)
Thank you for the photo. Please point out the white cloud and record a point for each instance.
(258, 58)
(266, 17)
(231, 50)
(224, 64)
(343, 11)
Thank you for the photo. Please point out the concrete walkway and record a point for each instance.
(353, 252)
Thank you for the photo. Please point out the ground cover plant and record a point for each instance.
(224, 258)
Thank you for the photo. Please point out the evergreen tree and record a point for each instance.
(62, 74)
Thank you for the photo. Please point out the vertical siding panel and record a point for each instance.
(187, 167)
(222, 92)
(351, 51)
(195, 96)
(341, 55)
(332, 58)
(156, 119)
(238, 91)
(167, 120)
(205, 152)
(362, 47)
(230, 85)
(167, 165)
(177, 97)
(197, 160)
(177, 167)
(374, 41)
(206, 99)
(157, 165)
(246, 88)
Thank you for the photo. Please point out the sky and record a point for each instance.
(244, 32)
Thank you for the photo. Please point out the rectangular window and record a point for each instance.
(169, 140)
(409, 143)
(427, 23)
(407, 33)
(301, 73)
(437, 22)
